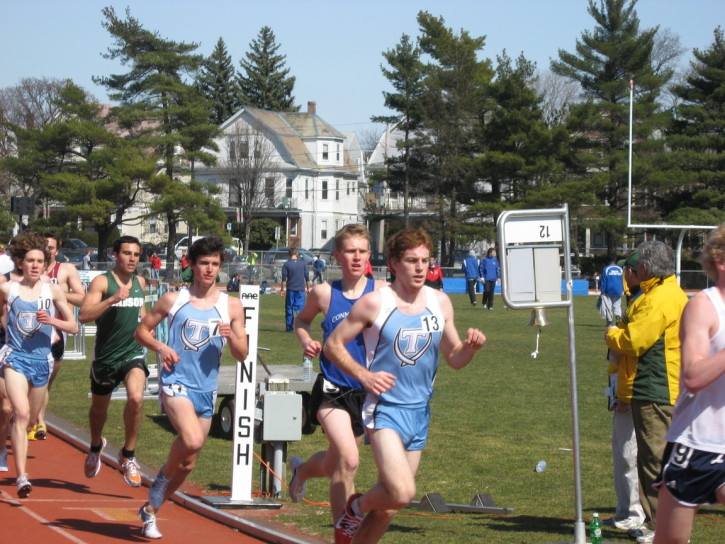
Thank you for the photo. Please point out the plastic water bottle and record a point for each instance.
(540, 466)
(307, 369)
(595, 530)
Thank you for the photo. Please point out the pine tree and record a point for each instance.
(406, 76)
(160, 105)
(264, 81)
(606, 59)
(216, 82)
(693, 171)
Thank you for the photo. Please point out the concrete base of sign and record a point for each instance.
(225, 502)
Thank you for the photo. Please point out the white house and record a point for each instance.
(311, 184)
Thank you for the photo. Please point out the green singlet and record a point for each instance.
(116, 327)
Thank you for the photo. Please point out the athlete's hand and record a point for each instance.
(122, 293)
(225, 329)
(312, 349)
(475, 340)
(168, 357)
(378, 383)
(43, 317)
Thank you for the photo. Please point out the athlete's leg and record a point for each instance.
(135, 382)
(395, 488)
(192, 432)
(18, 390)
(46, 397)
(674, 520)
(97, 416)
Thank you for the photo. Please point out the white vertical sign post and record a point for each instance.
(537, 238)
(245, 400)
(244, 408)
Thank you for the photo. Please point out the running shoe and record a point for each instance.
(24, 486)
(93, 461)
(130, 468)
(348, 524)
(4, 460)
(297, 487)
(149, 523)
(157, 491)
(31, 433)
(40, 431)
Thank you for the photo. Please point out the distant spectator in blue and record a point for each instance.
(233, 285)
(319, 267)
(612, 289)
(295, 283)
(470, 269)
(490, 271)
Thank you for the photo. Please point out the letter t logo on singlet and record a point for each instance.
(195, 334)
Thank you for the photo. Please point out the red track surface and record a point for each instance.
(65, 506)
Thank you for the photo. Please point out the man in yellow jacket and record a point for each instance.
(652, 335)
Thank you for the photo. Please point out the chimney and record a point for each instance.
(312, 107)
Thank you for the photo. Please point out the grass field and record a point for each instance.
(492, 422)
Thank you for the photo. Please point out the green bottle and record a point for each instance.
(595, 530)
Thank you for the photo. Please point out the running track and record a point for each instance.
(66, 507)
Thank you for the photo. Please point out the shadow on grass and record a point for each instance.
(163, 422)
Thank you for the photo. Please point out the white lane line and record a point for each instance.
(41, 519)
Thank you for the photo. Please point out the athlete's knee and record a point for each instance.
(349, 462)
(193, 442)
(401, 493)
(134, 400)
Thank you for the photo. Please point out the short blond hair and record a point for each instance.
(714, 252)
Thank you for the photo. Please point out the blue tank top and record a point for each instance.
(339, 308)
(24, 333)
(190, 335)
(407, 347)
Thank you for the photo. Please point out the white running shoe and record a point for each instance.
(149, 523)
(24, 486)
(297, 487)
(93, 461)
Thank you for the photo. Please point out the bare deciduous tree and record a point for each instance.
(252, 172)
(557, 93)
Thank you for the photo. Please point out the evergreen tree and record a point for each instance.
(406, 76)
(162, 108)
(216, 82)
(84, 164)
(606, 59)
(264, 81)
(692, 176)
(455, 82)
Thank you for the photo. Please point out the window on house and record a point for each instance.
(269, 190)
(152, 227)
(293, 227)
(325, 152)
(233, 193)
(288, 189)
(324, 189)
(337, 189)
(338, 152)
(323, 229)
(348, 188)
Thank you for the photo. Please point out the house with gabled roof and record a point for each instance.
(309, 183)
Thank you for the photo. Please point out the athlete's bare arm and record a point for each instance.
(145, 332)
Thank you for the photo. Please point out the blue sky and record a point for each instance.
(333, 48)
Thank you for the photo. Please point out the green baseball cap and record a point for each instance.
(631, 262)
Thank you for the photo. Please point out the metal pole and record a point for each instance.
(629, 175)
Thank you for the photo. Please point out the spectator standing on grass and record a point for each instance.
(295, 283)
(651, 334)
(470, 269)
(233, 285)
(202, 320)
(434, 274)
(66, 276)
(628, 513)
(155, 266)
(115, 301)
(319, 267)
(86, 262)
(336, 397)
(404, 326)
(490, 271)
(29, 311)
(694, 472)
(612, 289)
